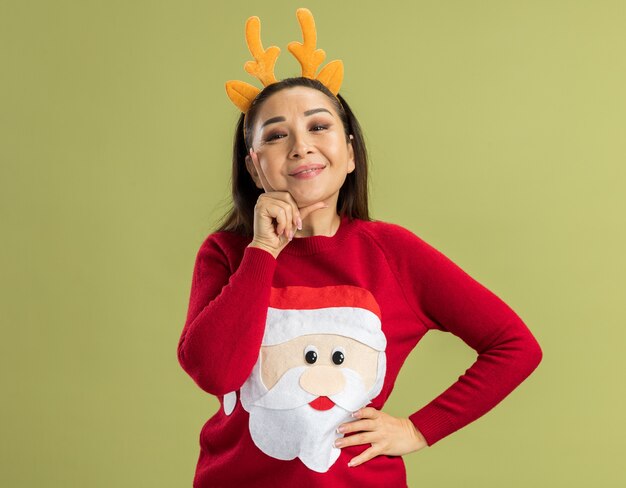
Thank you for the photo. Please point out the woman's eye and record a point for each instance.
(318, 127)
(274, 136)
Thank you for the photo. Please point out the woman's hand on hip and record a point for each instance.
(388, 435)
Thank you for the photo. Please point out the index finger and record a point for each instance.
(366, 412)
(255, 160)
(357, 426)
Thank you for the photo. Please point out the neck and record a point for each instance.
(320, 222)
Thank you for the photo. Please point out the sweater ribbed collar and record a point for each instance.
(303, 246)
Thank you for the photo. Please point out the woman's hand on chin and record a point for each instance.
(276, 215)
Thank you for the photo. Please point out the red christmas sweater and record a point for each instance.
(385, 288)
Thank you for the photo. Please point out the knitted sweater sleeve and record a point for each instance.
(222, 336)
(446, 298)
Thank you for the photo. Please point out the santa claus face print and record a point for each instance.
(300, 391)
(322, 357)
(301, 145)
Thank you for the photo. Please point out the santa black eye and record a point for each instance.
(310, 354)
(338, 355)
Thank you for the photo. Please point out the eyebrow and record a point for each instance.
(280, 118)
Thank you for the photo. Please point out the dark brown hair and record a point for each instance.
(353, 195)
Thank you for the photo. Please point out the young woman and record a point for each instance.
(303, 310)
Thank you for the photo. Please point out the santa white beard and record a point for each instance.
(283, 424)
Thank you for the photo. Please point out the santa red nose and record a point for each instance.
(322, 403)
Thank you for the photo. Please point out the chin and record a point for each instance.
(308, 197)
(313, 196)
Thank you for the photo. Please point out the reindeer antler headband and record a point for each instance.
(242, 94)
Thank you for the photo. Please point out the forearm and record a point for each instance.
(220, 343)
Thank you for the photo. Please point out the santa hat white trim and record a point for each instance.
(360, 324)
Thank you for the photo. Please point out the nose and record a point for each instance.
(300, 146)
(322, 380)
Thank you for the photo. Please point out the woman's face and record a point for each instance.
(295, 128)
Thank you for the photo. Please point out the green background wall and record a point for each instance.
(497, 134)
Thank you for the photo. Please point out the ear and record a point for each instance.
(351, 163)
(253, 173)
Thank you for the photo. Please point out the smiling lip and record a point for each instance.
(306, 167)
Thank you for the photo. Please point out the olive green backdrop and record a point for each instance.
(497, 134)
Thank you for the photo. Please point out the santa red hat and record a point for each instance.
(344, 310)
